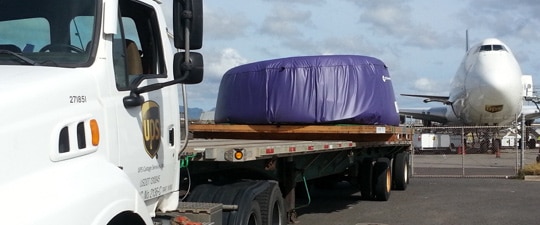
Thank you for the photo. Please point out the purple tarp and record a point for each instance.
(308, 90)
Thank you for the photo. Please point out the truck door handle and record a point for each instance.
(171, 136)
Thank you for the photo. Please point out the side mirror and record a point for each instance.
(111, 17)
(188, 24)
(188, 72)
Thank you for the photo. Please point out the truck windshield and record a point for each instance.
(47, 32)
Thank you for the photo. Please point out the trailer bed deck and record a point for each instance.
(220, 142)
(356, 133)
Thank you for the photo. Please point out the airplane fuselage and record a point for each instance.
(487, 88)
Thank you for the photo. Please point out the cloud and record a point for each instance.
(349, 45)
(204, 95)
(504, 20)
(226, 59)
(220, 24)
(429, 87)
(284, 21)
(307, 2)
(427, 38)
(394, 19)
(390, 17)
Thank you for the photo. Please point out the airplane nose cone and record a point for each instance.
(494, 83)
(497, 76)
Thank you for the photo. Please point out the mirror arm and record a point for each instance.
(135, 99)
(187, 16)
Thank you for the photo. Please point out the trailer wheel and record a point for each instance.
(400, 173)
(272, 206)
(365, 179)
(254, 217)
(382, 179)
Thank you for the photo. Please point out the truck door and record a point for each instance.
(147, 144)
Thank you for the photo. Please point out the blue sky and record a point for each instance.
(421, 41)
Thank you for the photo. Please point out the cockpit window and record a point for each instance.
(47, 32)
(498, 48)
(492, 48)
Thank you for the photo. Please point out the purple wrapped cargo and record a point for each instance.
(308, 90)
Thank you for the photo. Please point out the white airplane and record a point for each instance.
(488, 89)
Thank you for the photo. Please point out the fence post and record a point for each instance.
(522, 152)
(463, 149)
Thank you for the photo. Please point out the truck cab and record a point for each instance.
(91, 102)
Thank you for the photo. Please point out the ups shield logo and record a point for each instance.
(151, 127)
(493, 108)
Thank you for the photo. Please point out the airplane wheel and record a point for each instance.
(484, 146)
(531, 143)
(496, 145)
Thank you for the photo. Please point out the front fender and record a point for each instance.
(84, 190)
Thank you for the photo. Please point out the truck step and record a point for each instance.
(201, 211)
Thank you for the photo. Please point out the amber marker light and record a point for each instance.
(238, 155)
(95, 132)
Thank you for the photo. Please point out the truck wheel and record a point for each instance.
(382, 179)
(400, 175)
(254, 217)
(238, 193)
(365, 179)
(272, 206)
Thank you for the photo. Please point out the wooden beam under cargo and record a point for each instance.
(358, 133)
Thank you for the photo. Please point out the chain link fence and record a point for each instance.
(487, 151)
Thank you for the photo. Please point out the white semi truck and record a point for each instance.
(93, 133)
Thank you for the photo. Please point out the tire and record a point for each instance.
(365, 179)
(496, 145)
(382, 179)
(272, 206)
(400, 175)
(254, 216)
(484, 146)
(238, 193)
(531, 144)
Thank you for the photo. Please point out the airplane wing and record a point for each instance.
(530, 112)
(431, 98)
(436, 114)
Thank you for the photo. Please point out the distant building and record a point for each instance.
(207, 117)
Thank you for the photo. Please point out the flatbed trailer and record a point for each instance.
(375, 158)
(107, 146)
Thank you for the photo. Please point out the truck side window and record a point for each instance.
(137, 47)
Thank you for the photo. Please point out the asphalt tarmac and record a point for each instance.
(432, 200)
(507, 163)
